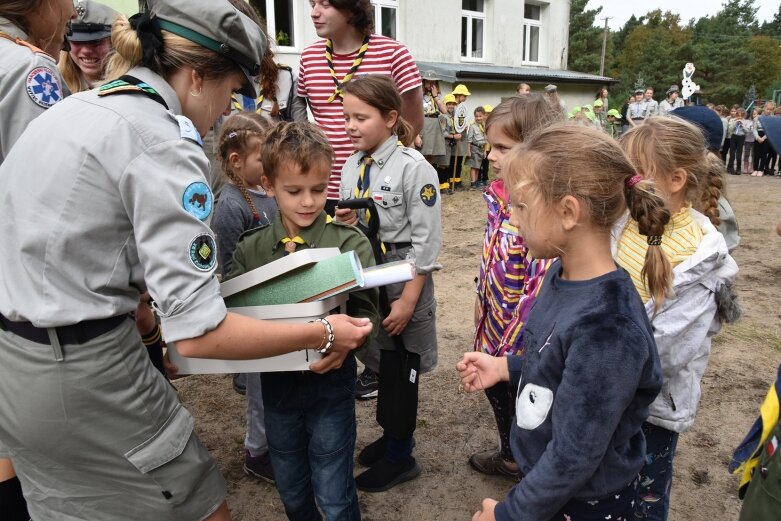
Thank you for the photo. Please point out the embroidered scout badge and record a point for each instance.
(198, 200)
(428, 194)
(43, 87)
(203, 252)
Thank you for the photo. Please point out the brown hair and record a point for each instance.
(660, 145)
(176, 53)
(567, 159)
(269, 73)
(235, 135)
(296, 142)
(521, 116)
(360, 14)
(380, 92)
(17, 11)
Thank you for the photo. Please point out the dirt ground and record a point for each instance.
(453, 425)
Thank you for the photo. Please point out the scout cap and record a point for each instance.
(673, 88)
(598, 103)
(638, 90)
(219, 27)
(93, 22)
(461, 89)
(708, 121)
(550, 88)
(450, 98)
(430, 76)
(488, 108)
(615, 113)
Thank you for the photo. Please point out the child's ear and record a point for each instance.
(391, 118)
(678, 179)
(235, 162)
(571, 212)
(265, 182)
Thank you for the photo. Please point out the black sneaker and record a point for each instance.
(240, 383)
(385, 475)
(366, 386)
(259, 467)
(375, 451)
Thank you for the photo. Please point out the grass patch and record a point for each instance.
(750, 333)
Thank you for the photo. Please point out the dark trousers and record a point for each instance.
(735, 152)
(656, 476)
(725, 150)
(617, 506)
(310, 424)
(483, 177)
(501, 398)
(760, 151)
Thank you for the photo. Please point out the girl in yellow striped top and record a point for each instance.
(673, 153)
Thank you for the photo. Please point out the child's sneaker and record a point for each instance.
(492, 464)
(386, 474)
(259, 466)
(366, 386)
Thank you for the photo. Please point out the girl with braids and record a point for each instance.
(590, 369)
(672, 152)
(244, 205)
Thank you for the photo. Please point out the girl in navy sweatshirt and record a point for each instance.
(590, 370)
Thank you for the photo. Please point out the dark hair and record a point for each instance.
(569, 159)
(520, 116)
(269, 73)
(360, 14)
(235, 134)
(479, 110)
(297, 142)
(380, 92)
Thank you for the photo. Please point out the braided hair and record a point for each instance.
(235, 135)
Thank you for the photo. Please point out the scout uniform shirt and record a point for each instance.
(30, 83)
(447, 124)
(651, 108)
(637, 110)
(108, 217)
(405, 189)
(262, 245)
(476, 137)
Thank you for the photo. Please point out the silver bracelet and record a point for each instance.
(328, 336)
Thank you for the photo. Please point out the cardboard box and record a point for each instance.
(287, 313)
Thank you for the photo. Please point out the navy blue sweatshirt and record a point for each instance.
(589, 372)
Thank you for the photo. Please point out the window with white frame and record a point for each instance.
(472, 29)
(280, 18)
(385, 17)
(532, 27)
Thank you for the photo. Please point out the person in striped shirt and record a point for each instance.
(673, 153)
(349, 49)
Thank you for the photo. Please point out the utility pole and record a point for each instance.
(604, 47)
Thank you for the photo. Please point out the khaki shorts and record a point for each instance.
(101, 434)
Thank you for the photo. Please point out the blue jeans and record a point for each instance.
(656, 476)
(310, 425)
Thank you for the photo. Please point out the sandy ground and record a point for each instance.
(453, 425)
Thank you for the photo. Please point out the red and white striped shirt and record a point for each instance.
(384, 56)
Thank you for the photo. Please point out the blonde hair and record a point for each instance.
(71, 74)
(566, 159)
(235, 135)
(176, 53)
(660, 145)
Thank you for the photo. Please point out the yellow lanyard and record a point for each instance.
(329, 57)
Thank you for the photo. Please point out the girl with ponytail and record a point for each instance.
(590, 370)
(672, 153)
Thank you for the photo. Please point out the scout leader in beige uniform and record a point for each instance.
(32, 33)
(101, 434)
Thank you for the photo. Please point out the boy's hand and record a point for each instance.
(346, 216)
(481, 371)
(487, 514)
(399, 316)
(457, 137)
(349, 333)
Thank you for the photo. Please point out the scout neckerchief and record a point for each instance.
(363, 188)
(339, 85)
(291, 243)
(131, 84)
(241, 107)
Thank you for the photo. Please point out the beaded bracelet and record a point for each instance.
(328, 336)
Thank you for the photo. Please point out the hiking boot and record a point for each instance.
(366, 386)
(492, 464)
(259, 466)
(385, 475)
